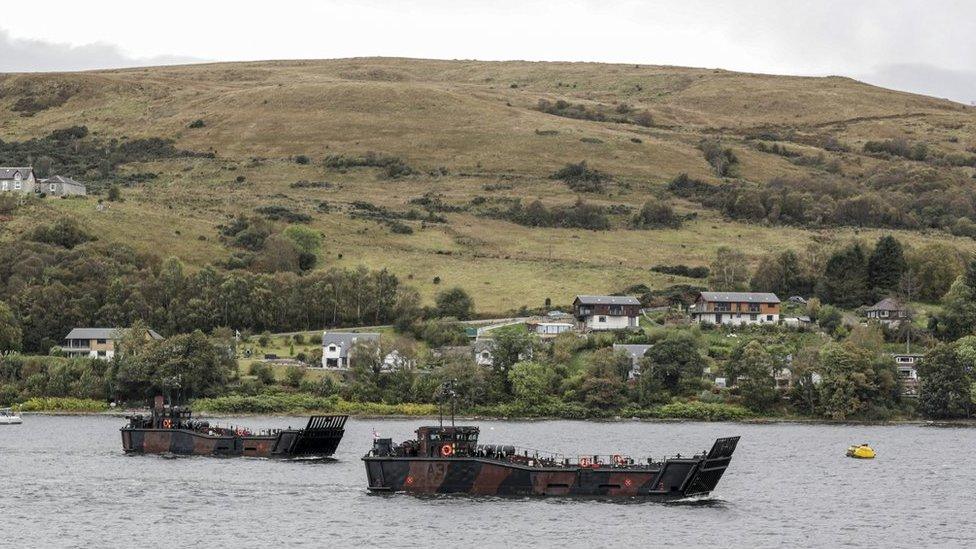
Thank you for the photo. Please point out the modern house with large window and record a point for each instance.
(96, 342)
(736, 308)
(606, 312)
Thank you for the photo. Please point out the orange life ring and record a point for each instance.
(167, 423)
(447, 450)
(584, 462)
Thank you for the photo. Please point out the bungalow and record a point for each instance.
(606, 312)
(60, 185)
(737, 308)
(18, 180)
(889, 312)
(545, 328)
(907, 364)
(635, 353)
(97, 342)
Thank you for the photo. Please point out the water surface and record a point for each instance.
(65, 482)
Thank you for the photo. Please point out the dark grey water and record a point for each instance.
(64, 482)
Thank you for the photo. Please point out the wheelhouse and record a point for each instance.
(447, 441)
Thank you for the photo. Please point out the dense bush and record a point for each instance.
(393, 167)
(682, 270)
(656, 214)
(581, 178)
(722, 159)
(282, 213)
(580, 215)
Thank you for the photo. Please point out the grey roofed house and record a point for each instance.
(60, 185)
(103, 333)
(10, 173)
(887, 304)
(17, 179)
(607, 300)
(345, 341)
(740, 297)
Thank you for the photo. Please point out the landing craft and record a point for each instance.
(449, 460)
(172, 430)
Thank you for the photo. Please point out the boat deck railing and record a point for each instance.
(539, 458)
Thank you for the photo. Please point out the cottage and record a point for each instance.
(546, 328)
(889, 312)
(736, 308)
(635, 353)
(97, 342)
(60, 185)
(483, 352)
(907, 364)
(606, 312)
(18, 180)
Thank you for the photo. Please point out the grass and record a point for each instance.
(464, 116)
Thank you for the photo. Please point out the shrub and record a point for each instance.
(301, 159)
(656, 214)
(114, 194)
(682, 270)
(62, 404)
(722, 159)
(581, 178)
(282, 213)
(65, 232)
(294, 375)
(198, 123)
(263, 372)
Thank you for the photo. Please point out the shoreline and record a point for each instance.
(773, 420)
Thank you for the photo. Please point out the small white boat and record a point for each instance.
(8, 417)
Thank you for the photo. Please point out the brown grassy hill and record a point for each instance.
(480, 122)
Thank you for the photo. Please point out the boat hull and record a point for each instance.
(672, 479)
(320, 438)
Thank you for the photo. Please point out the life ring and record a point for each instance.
(167, 423)
(584, 462)
(618, 459)
(447, 450)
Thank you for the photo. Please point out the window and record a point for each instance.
(753, 317)
(753, 307)
(16, 185)
(602, 319)
(5, 186)
(332, 348)
(53, 187)
(769, 318)
(101, 353)
(100, 341)
(723, 307)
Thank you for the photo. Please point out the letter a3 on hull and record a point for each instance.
(449, 460)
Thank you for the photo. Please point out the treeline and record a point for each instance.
(51, 289)
(903, 196)
(181, 367)
(580, 215)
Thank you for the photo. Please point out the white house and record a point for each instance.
(907, 364)
(337, 346)
(18, 180)
(606, 312)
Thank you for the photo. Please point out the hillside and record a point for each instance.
(477, 131)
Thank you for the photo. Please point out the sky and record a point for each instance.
(913, 45)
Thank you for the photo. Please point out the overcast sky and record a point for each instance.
(923, 46)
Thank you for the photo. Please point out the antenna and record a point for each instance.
(446, 392)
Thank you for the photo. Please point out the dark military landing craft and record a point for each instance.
(172, 430)
(445, 460)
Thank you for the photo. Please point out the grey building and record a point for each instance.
(60, 185)
(636, 353)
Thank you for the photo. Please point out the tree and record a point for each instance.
(754, 373)
(674, 364)
(829, 318)
(10, 332)
(947, 378)
(307, 241)
(781, 274)
(508, 347)
(845, 279)
(455, 303)
(886, 265)
(294, 375)
(728, 272)
(857, 383)
(531, 382)
(958, 316)
(936, 267)
(42, 166)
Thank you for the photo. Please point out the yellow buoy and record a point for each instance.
(861, 451)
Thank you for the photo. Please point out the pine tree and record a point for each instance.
(845, 279)
(886, 265)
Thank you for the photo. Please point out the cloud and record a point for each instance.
(18, 55)
(926, 79)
